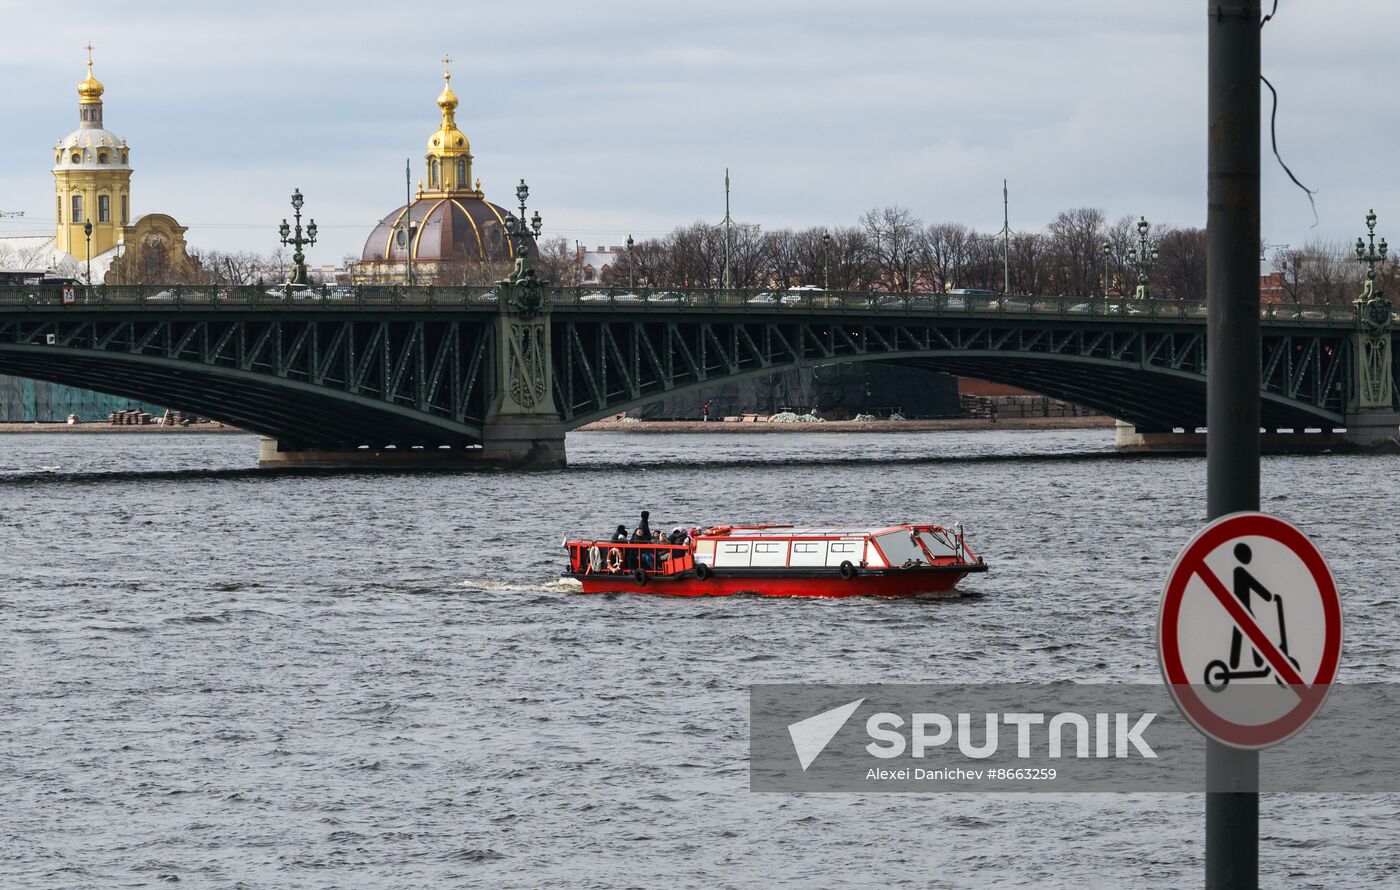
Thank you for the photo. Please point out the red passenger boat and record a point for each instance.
(779, 560)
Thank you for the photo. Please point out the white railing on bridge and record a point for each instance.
(485, 298)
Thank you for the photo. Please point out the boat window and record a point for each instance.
(736, 548)
(765, 548)
(843, 547)
(805, 547)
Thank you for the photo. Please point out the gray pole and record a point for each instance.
(728, 224)
(1006, 241)
(408, 217)
(1232, 389)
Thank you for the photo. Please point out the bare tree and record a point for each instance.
(1076, 239)
(1181, 265)
(893, 233)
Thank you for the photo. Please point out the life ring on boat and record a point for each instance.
(702, 571)
(640, 576)
(595, 559)
(614, 560)
(848, 570)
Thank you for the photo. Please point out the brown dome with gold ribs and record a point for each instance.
(449, 222)
(446, 228)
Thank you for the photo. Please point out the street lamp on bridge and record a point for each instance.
(527, 288)
(826, 261)
(1372, 307)
(87, 234)
(631, 276)
(909, 269)
(1107, 251)
(297, 240)
(1143, 257)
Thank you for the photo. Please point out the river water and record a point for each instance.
(241, 679)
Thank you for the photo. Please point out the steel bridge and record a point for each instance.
(379, 371)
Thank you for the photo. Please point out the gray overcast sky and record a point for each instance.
(622, 116)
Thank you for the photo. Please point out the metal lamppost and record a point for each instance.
(528, 290)
(1368, 251)
(909, 269)
(293, 236)
(87, 233)
(1107, 250)
(1143, 257)
(631, 275)
(826, 261)
(1372, 307)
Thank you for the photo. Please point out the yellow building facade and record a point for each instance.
(92, 179)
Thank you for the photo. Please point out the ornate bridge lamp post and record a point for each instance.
(1143, 257)
(631, 274)
(1371, 416)
(528, 290)
(295, 238)
(1369, 253)
(826, 261)
(1107, 252)
(87, 234)
(909, 270)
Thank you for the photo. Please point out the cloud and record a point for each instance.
(623, 116)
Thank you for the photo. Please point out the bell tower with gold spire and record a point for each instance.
(92, 178)
(449, 156)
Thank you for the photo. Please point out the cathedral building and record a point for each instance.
(93, 225)
(453, 234)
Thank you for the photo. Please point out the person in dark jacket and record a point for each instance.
(642, 535)
(620, 536)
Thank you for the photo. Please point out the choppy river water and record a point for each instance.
(239, 679)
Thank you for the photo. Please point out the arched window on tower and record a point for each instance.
(102, 157)
(461, 173)
(59, 201)
(104, 208)
(77, 215)
(432, 173)
(124, 218)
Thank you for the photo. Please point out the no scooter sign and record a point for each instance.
(1250, 630)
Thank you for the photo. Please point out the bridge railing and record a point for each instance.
(645, 299)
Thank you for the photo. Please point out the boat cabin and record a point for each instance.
(900, 546)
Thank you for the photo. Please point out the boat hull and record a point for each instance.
(889, 583)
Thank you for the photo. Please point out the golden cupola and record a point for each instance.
(449, 155)
(92, 178)
(448, 229)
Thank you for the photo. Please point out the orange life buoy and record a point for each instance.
(614, 560)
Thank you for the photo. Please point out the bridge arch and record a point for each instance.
(289, 410)
(1152, 378)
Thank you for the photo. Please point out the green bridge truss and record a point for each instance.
(344, 368)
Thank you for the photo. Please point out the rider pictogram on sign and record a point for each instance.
(1250, 630)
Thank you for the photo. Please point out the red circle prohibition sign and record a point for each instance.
(1310, 691)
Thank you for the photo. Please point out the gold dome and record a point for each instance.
(91, 89)
(447, 100)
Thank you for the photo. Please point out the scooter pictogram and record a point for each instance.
(1218, 674)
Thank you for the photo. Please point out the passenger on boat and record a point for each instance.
(641, 558)
(678, 536)
(620, 536)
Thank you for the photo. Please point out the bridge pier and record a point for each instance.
(511, 444)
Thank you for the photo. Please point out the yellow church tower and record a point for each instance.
(449, 154)
(92, 179)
